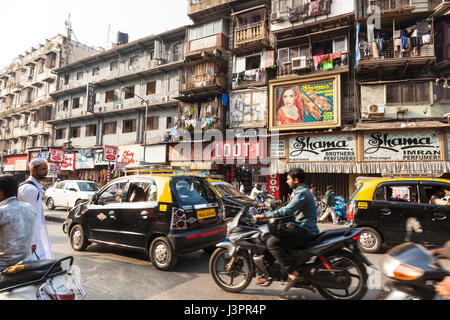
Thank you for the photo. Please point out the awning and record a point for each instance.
(380, 167)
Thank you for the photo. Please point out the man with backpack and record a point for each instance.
(31, 192)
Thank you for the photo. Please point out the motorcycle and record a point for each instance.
(412, 271)
(41, 280)
(268, 200)
(332, 264)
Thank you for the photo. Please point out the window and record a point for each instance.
(253, 62)
(206, 29)
(340, 44)
(151, 87)
(129, 126)
(440, 94)
(95, 71)
(408, 92)
(142, 192)
(110, 128)
(113, 66)
(72, 185)
(153, 123)
(430, 189)
(110, 96)
(76, 103)
(129, 93)
(65, 104)
(75, 132)
(178, 51)
(88, 186)
(286, 55)
(51, 60)
(91, 130)
(61, 185)
(397, 192)
(170, 122)
(60, 134)
(115, 193)
(134, 61)
(193, 191)
(80, 75)
(66, 79)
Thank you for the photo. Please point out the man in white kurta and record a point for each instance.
(31, 192)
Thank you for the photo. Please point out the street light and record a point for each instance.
(126, 90)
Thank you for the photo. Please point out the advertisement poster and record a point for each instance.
(69, 162)
(248, 109)
(340, 147)
(305, 104)
(409, 145)
(56, 156)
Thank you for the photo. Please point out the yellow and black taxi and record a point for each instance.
(232, 198)
(164, 215)
(382, 207)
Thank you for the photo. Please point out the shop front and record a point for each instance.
(17, 166)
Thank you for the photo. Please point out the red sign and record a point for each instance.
(69, 162)
(110, 153)
(239, 150)
(56, 156)
(273, 185)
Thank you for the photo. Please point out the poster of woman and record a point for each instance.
(299, 104)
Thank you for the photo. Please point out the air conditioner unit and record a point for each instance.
(82, 113)
(118, 106)
(165, 99)
(376, 110)
(299, 63)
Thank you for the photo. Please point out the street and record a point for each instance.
(110, 273)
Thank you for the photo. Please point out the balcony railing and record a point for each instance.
(316, 64)
(435, 3)
(369, 6)
(252, 32)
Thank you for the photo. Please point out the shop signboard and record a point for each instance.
(236, 150)
(54, 168)
(305, 103)
(402, 145)
(68, 163)
(278, 148)
(98, 158)
(156, 154)
(21, 165)
(130, 155)
(338, 147)
(83, 161)
(273, 185)
(110, 153)
(56, 156)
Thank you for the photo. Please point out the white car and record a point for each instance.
(70, 193)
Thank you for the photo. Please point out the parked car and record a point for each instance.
(163, 215)
(382, 207)
(232, 198)
(69, 193)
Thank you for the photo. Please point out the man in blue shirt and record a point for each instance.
(303, 207)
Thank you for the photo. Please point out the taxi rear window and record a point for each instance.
(193, 191)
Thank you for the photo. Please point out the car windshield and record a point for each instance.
(193, 191)
(227, 190)
(88, 186)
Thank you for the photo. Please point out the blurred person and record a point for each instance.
(330, 202)
(17, 221)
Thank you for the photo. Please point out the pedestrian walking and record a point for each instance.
(16, 225)
(31, 192)
(329, 204)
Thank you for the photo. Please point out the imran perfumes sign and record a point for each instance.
(323, 148)
(413, 145)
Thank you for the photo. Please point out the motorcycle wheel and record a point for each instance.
(356, 270)
(229, 280)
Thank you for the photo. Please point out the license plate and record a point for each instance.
(205, 214)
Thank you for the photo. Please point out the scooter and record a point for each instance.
(412, 271)
(41, 280)
(340, 208)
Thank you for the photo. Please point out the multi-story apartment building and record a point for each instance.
(25, 102)
(401, 87)
(135, 86)
(310, 97)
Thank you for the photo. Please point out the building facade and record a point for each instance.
(26, 104)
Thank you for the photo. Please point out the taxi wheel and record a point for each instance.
(162, 255)
(370, 240)
(78, 239)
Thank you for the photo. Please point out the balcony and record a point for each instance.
(321, 63)
(251, 33)
(368, 7)
(203, 7)
(440, 7)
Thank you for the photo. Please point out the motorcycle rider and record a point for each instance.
(256, 191)
(303, 207)
(16, 225)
